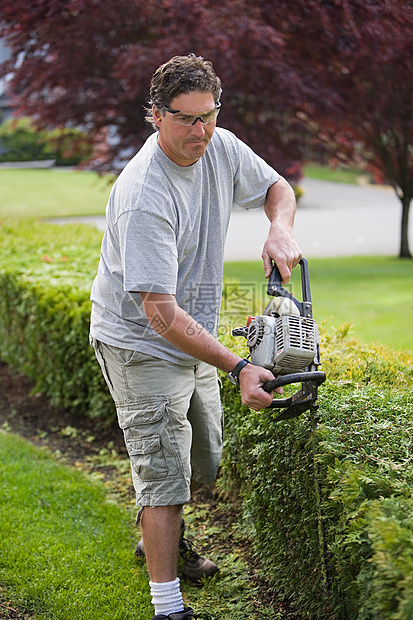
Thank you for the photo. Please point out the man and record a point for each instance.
(156, 303)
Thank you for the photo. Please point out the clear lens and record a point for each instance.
(190, 118)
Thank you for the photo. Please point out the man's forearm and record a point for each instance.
(280, 246)
(280, 204)
(179, 328)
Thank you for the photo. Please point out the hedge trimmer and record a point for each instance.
(285, 340)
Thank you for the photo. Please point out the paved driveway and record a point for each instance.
(333, 219)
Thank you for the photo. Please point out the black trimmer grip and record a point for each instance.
(316, 376)
(275, 285)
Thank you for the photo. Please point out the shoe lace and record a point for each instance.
(187, 551)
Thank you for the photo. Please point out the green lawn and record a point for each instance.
(374, 294)
(52, 193)
(336, 175)
(67, 551)
(67, 545)
(67, 193)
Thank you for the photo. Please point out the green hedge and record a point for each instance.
(326, 500)
(45, 279)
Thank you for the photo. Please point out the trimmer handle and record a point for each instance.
(276, 289)
(302, 400)
(316, 376)
(275, 285)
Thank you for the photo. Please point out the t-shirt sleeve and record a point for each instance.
(253, 178)
(148, 252)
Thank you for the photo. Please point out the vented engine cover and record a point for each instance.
(284, 344)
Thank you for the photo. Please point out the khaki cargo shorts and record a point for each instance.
(172, 421)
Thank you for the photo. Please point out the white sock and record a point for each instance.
(167, 597)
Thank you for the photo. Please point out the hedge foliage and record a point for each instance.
(326, 498)
(45, 279)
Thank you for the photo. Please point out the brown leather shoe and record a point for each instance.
(194, 566)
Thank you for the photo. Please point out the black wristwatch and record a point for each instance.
(233, 376)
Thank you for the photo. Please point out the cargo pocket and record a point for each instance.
(145, 428)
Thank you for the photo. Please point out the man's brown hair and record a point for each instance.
(181, 74)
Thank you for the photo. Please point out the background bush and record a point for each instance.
(326, 498)
(20, 140)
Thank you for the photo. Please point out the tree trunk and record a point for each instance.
(404, 243)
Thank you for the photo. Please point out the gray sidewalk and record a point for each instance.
(333, 219)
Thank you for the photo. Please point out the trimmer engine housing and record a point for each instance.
(285, 340)
(283, 344)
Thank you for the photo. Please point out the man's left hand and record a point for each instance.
(282, 249)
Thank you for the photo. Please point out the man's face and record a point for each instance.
(185, 144)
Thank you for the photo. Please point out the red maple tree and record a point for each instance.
(89, 63)
(299, 77)
(356, 58)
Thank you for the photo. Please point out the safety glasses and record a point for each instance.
(190, 118)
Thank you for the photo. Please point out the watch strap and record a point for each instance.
(233, 375)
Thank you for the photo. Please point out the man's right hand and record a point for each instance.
(251, 380)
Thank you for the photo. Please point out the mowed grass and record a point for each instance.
(52, 193)
(374, 294)
(70, 193)
(67, 547)
(66, 550)
(340, 174)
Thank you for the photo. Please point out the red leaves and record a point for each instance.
(290, 72)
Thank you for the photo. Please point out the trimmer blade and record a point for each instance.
(294, 411)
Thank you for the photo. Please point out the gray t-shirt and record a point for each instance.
(165, 233)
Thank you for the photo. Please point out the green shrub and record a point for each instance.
(45, 279)
(20, 140)
(322, 494)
